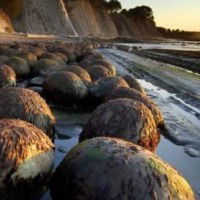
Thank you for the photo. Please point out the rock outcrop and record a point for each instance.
(72, 18)
(5, 23)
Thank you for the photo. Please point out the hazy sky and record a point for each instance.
(181, 14)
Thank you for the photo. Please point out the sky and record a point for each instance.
(173, 14)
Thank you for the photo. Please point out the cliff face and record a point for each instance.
(89, 20)
(73, 18)
(44, 17)
(5, 23)
(129, 28)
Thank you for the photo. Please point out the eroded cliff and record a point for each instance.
(72, 18)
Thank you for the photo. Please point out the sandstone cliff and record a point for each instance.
(72, 18)
(5, 23)
(89, 20)
(44, 17)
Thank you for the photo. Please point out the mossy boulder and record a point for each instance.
(122, 92)
(30, 58)
(24, 104)
(7, 76)
(46, 66)
(65, 87)
(19, 65)
(98, 72)
(133, 83)
(107, 168)
(126, 119)
(84, 63)
(26, 158)
(106, 64)
(100, 88)
(82, 73)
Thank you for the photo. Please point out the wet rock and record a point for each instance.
(26, 158)
(100, 88)
(121, 92)
(24, 104)
(23, 84)
(65, 130)
(108, 168)
(126, 119)
(98, 71)
(30, 58)
(85, 63)
(193, 150)
(19, 65)
(48, 66)
(65, 87)
(133, 83)
(7, 76)
(82, 73)
(106, 64)
(38, 81)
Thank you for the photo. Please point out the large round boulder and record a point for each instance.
(46, 66)
(108, 168)
(26, 158)
(64, 87)
(84, 63)
(82, 73)
(29, 57)
(98, 71)
(122, 92)
(7, 76)
(126, 119)
(106, 64)
(24, 104)
(133, 83)
(100, 88)
(19, 65)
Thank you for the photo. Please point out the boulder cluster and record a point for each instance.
(115, 156)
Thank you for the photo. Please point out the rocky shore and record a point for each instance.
(114, 158)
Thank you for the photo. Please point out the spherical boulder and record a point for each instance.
(45, 66)
(64, 87)
(26, 157)
(52, 56)
(109, 168)
(24, 104)
(133, 83)
(122, 92)
(106, 64)
(82, 73)
(7, 76)
(19, 65)
(98, 71)
(100, 88)
(84, 63)
(29, 57)
(126, 119)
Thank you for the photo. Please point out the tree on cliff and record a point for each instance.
(110, 6)
(139, 12)
(113, 6)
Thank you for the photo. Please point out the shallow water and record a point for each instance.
(182, 120)
(186, 165)
(176, 45)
